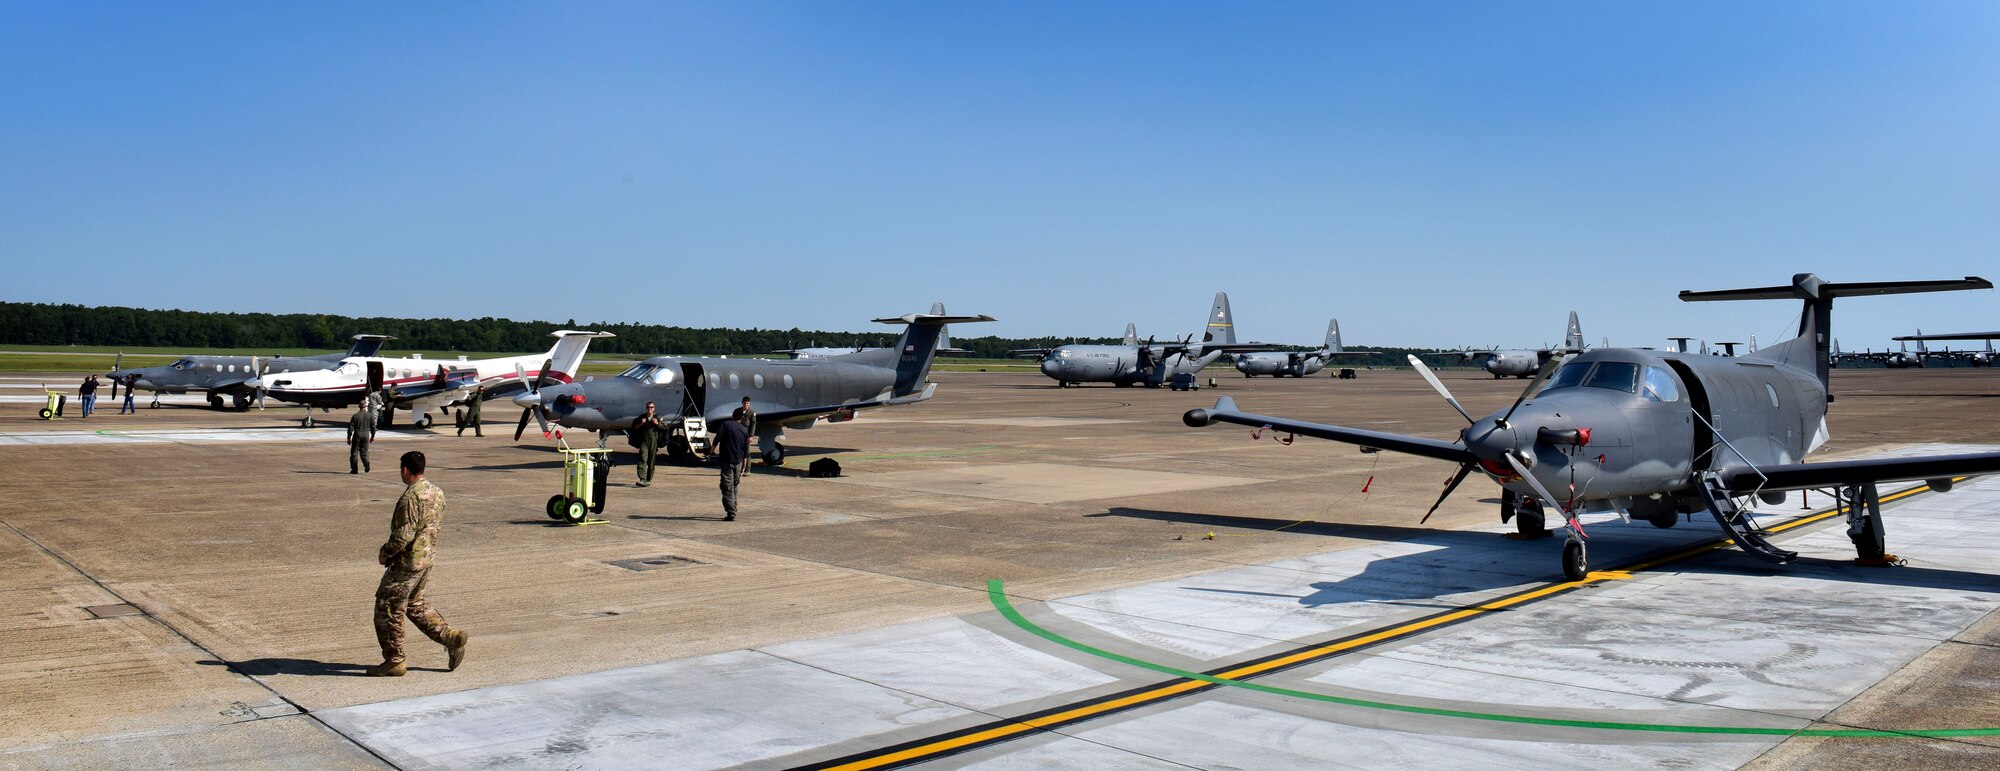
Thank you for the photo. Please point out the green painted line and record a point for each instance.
(996, 592)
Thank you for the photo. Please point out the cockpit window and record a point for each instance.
(184, 364)
(350, 369)
(1567, 377)
(638, 371)
(1660, 386)
(1614, 376)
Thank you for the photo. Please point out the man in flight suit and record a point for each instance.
(406, 559)
(472, 412)
(647, 430)
(360, 431)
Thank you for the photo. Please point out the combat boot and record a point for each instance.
(386, 669)
(454, 649)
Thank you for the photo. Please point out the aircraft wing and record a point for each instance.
(1225, 411)
(838, 410)
(1349, 353)
(445, 382)
(1039, 353)
(1953, 336)
(1174, 348)
(1795, 476)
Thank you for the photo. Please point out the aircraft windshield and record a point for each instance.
(1570, 375)
(1614, 376)
(638, 371)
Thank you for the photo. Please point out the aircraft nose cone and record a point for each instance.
(527, 399)
(1051, 365)
(1489, 441)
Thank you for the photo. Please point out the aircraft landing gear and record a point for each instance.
(1864, 527)
(1529, 522)
(240, 402)
(775, 456)
(155, 403)
(215, 401)
(1576, 561)
(307, 421)
(423, 420)
(1664, 521)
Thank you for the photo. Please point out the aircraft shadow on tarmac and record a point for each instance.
(306, 667)
(1468, 561)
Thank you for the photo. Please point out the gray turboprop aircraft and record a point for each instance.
(1658, 434)
(796, 393)
(1975, 358)
(1296, 364)
(233, 376)
(1523, 364)
(815, 352)
(1149, 364)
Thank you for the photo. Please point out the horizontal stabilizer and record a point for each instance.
(934, 320)
(1953, 336)
(1806, 286)
(1743, 479)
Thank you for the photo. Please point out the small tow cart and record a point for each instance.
(585, 473)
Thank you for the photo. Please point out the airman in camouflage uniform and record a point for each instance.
(407, 556)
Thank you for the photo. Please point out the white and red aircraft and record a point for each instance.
(423, 385)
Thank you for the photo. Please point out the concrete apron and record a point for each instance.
(1716, 640)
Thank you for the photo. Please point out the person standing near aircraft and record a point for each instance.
(733, 452)
(748, 417)
(360, 431)
(646, 432)
(88, 392)
(406, 558)
(472, 412)
(388, 414)
(129, 405)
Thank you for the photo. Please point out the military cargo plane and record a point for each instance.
(1656, 435)
(1975, 358)
(422, 385)
(786, 394)
(1524, 364)
(232, 376)
(1296, 364)
(1148, 364)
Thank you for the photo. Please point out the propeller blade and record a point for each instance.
(541, 377)
(1463, 469)
(523, 427)
(1425, 370)
(542, 418)
(1548, 367)
(522, 375)
(1541, 491)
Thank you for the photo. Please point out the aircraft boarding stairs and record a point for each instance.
(1735, 521)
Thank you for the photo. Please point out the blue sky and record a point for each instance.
(1434, 174)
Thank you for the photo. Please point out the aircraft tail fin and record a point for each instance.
(1921, 348)
(1333, 336)
(1573, 337)
(919, 345)
(1221, 323)
(1131, 333)
(367, 345)
(1811, 348)
(567, 354)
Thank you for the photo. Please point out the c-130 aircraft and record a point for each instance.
(1149, 364)
(1656, 434)
(796, 393)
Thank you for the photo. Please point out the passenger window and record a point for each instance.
(714, 380)
(1570, 375)
(734, 381)
(1660, 386)
(1614, 376)
(757, 380)
(788, 380)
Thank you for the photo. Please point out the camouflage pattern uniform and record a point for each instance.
(407, 555)
(360, 431)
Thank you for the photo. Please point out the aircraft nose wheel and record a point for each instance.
(1576, 563)
(307, 422)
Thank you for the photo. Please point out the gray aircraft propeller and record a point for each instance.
(1466, 468)
(531, 400)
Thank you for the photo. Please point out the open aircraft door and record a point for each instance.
(374, 376)
(696, 390)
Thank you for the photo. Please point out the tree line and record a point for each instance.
(52, 324)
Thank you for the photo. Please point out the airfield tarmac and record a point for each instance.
(190, 586)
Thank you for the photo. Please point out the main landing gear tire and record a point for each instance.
(775, 456)
(555, 507)
(1529, 523)
(422, 421)
(241, 403)
(215, 401)
(1664, 521)
(1576, 563)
